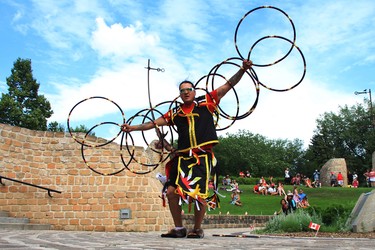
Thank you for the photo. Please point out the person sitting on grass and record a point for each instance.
(303, 203)
(284, 207)
(292, 205)
(226, 180)
(333, 179)
(256, 189)
(307, 182)
(233, 186)
(355, 183)
(280, 189)
(263, 187)
(236, 199)
(272, 190)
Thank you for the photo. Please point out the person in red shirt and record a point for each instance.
(355, 183)
(371, 176)
(256, 189)
(340, 179)
(188, 172)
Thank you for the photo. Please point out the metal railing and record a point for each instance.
(49, 190)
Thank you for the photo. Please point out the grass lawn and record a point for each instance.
(255, 204)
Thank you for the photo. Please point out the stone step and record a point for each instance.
(24, 226)
(7, 222)
(14, 220)
(4, 214)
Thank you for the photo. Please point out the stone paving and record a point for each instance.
(50, 239)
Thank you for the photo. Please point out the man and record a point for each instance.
(316, 176)
(340, 179)
(189, 171)
(333, 179)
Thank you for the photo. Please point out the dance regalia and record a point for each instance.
(194, 159)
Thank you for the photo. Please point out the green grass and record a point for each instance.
(255, 204)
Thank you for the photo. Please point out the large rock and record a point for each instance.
(334, 165)
(362, 218)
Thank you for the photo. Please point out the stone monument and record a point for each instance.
(334, 165)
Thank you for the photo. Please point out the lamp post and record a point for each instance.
(367, 92)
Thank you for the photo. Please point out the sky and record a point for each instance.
(86, 48)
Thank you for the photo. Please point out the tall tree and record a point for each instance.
(347, 134)
(22, 106)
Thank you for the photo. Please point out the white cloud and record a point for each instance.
(332, 25)
(119, 41)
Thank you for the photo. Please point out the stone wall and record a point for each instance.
(89, 201)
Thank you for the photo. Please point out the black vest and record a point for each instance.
(195, 129)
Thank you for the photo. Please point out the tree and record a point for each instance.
(56, 127)
(261, 156)
(82, 129)
(348, 134)
(23, 106)
(59, 127)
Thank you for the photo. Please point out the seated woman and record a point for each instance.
(292, 206)
(284, 207)
(355, 183)
(307, 182)
(236, 199)
(272, 190)
(296, 196)
(256, 189)
(280, 189)
(226, 180)
(233, 186)
(303, 203)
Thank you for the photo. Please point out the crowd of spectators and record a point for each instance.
(268, 188)
(296, 198)
(292, 201)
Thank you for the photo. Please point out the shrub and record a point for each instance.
(332, 213)
(295, 222)
(336, 216)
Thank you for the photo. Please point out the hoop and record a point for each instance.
(252, 47)
(82, 142)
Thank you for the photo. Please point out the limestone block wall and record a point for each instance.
(89, 201)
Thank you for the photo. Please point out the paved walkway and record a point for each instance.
(31, 239)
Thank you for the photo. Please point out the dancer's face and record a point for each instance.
(187, 93)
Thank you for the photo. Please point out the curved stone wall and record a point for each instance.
(89, 201)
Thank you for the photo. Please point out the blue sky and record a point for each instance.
(90, 48)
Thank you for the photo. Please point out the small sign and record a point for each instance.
(125, 213)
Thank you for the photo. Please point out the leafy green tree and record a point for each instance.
(262, 157)
(83, 129)
(348, 134)
(22, 106)
(56, 127)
